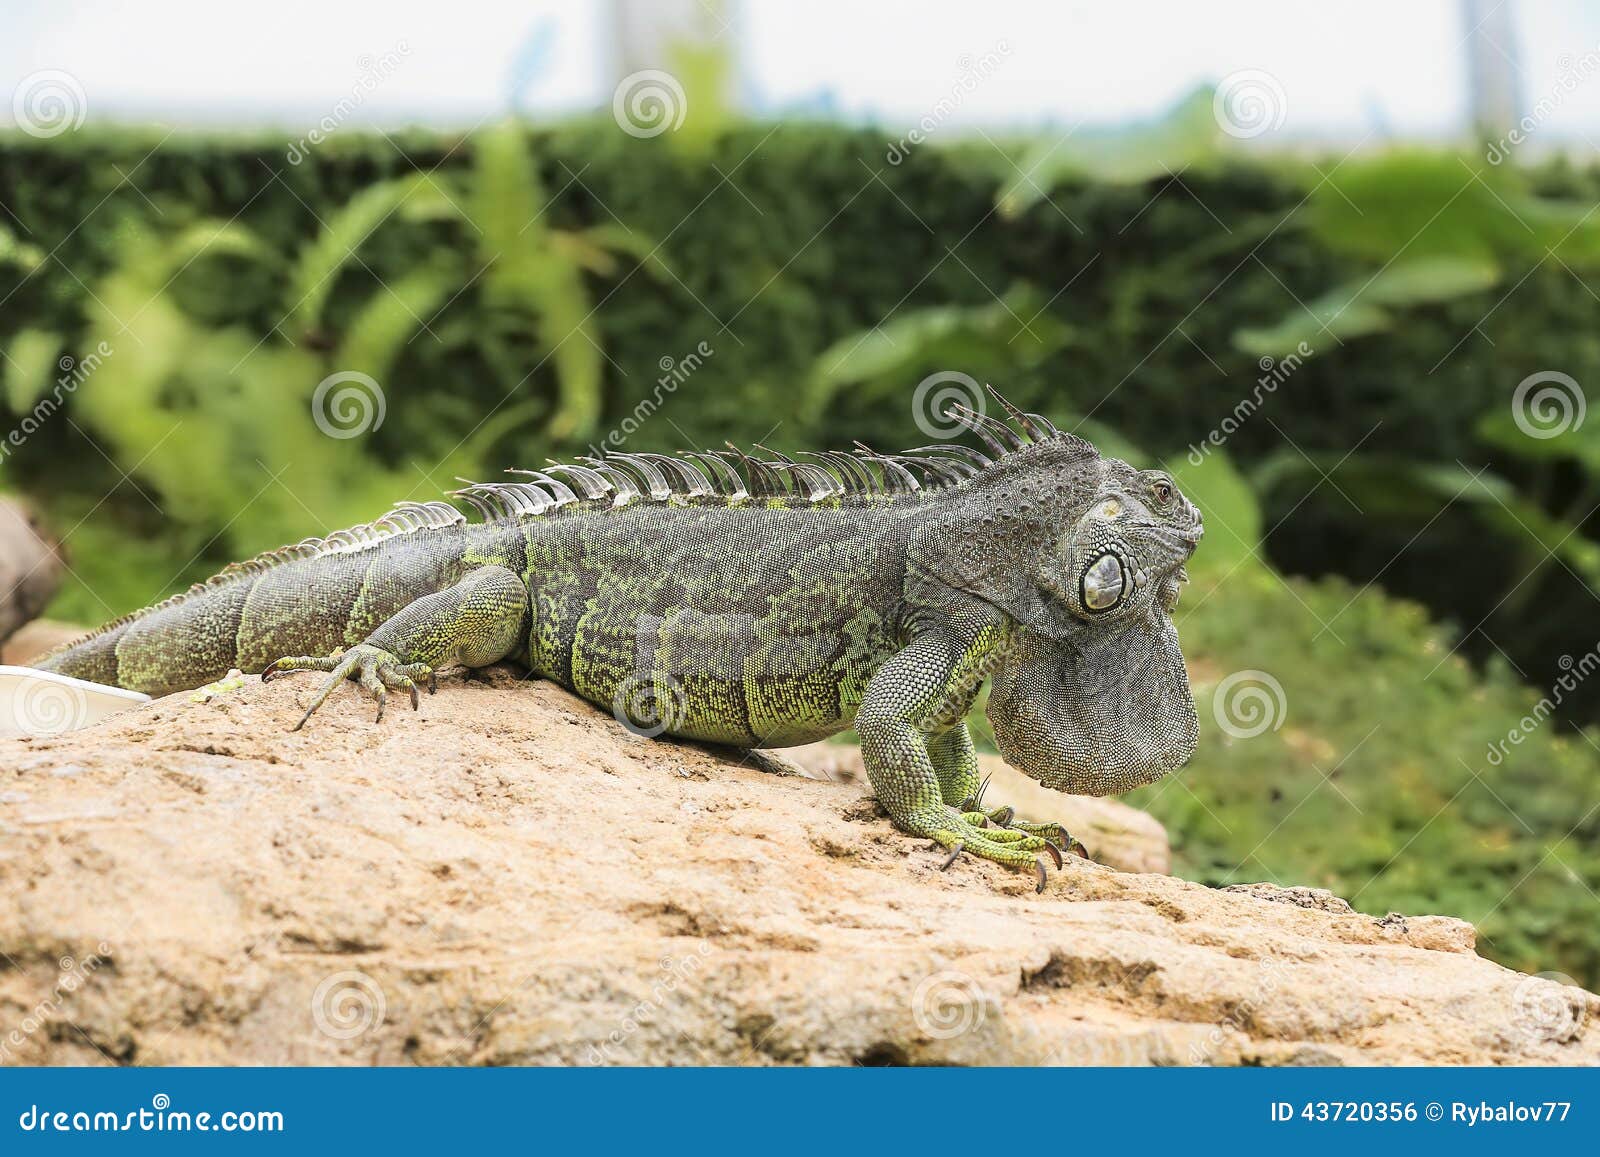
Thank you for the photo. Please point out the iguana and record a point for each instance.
(761, 602)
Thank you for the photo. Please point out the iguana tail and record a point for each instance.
(314, 597)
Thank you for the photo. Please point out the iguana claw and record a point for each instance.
(974, 802)
(951, 858)
(378, 671)
(1054, 834)
(1057, 840)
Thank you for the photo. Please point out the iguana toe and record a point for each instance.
(955, 833)
(378, 671)
(1054, 834)
(295, 666)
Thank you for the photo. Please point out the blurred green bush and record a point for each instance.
(520, 293)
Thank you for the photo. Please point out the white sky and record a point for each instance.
(1393, 67)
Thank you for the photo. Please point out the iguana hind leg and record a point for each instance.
(480, 620)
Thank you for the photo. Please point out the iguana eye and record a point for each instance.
(1163, 491)
(1104, 583)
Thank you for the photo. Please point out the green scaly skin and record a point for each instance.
(761, 604)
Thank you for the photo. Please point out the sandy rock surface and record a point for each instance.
(510, 877)
(37, 638)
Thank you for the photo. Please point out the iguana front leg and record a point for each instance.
(480, 620)
(911, 688)
(955, 762)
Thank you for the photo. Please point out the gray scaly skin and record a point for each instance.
(761, 603)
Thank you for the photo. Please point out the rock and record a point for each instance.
(1114, 833)
(30, 567)
(509, 877)
(37, 638)
(1319, 898)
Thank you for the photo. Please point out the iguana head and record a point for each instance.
(1126, 551)
(1086, 555)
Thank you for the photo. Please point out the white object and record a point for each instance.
(42, 703)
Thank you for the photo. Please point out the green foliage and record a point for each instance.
(221, 333)
(1386, 774)
(518, 294)
(1182, 139)
(30, 368)
(1372, 304)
